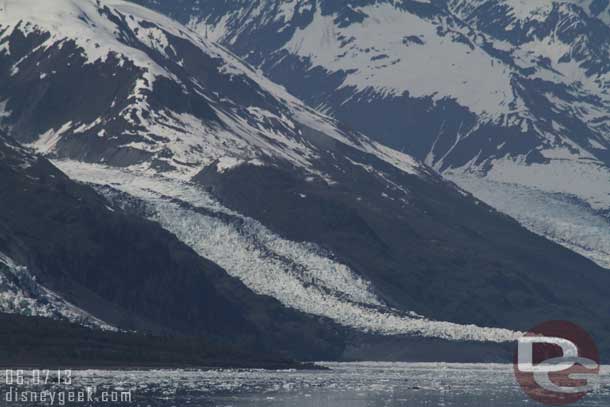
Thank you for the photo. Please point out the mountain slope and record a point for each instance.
(290, 202)
(502, 90)
(127, 271)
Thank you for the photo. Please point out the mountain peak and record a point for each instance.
(98, 27)
(173, 102)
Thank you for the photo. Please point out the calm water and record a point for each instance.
(346, 385)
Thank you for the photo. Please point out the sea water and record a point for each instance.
(342, 385)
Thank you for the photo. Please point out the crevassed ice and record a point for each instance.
(295, 274)
(560, 217)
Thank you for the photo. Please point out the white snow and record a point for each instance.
(587, 179)
(4, 112)
(528, 10)
(79, 20)
(378, 58)
(210, 32)
(47, 141)
(227, 163)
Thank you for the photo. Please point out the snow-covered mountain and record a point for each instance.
(169, 126)
(485, 91)
(177, 102)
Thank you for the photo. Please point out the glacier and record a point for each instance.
(20, 293)
(299, 275)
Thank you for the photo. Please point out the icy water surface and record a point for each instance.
(345, 385)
